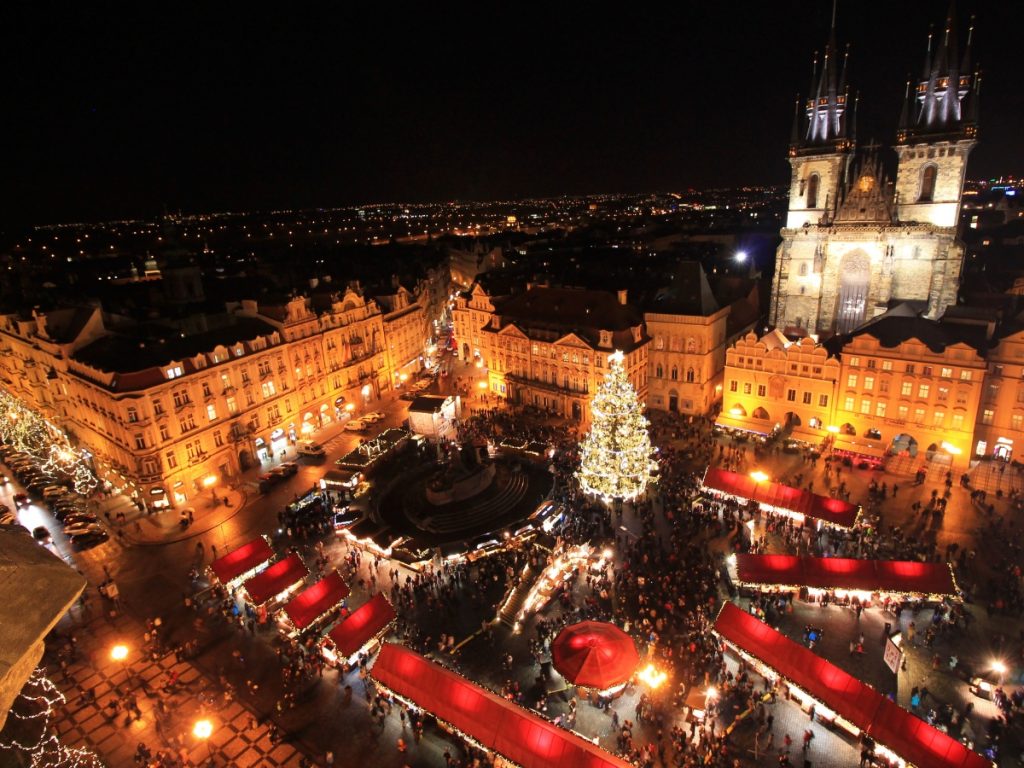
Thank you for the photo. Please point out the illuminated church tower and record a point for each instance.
(854, 243)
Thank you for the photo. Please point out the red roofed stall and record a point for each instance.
(361, 627)
(275, 580)
(858, 704)
(244, 560)
(845, 574)
(313, 602)
(493, 722)
(783, 498)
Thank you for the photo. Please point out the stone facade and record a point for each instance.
(687, 357)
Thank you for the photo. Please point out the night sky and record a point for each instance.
(112, 115)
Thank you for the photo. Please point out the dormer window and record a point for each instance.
(606, 338)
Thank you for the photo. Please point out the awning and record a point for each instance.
(903, 576)
(364, 624)
(888, 724)
(313, 602)
(276, 579)
(242, 560)
(744, 424)
(515, 733)
(859, 445)
(834, 511)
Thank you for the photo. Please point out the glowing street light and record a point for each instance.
(203, 729)
(741, 256)
(652, 676)
(833, 429)
(758, 476)
(482, 385)
(119, 652)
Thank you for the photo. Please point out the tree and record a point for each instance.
(615, 457)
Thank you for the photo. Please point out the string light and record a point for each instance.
(615, 456)
(36, 706)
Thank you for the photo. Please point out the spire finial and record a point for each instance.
(835, 3)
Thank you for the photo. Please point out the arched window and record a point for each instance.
(803, 269)
(660, 372)
(689, 375)
(812, 191)
(675, 373)
(928, 184)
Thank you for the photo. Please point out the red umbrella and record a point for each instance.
(594, 654)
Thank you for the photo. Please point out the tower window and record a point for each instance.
(928, 184)
(812, 191)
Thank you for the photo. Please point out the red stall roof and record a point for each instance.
(890, 725)
(313, 602)
(834, 511)
(362, 625)
(513, 732)
(242, 560)
(276, 579)
(843, 573)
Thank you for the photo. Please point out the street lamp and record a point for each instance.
(741, 256)
(119, 653)
(203, 730)
(758, 476)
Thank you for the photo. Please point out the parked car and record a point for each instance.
(53, 492)
(79, 518)
(88, 539)
(268, 480)
(289, 468)
(82, 529)
(41, 534)
(21, 500)
(279, 473)
(310, 449)
(373, 417)
(356, 425)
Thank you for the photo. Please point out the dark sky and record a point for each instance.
(117, 114)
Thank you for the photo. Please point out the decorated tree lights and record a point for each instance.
(616, 455)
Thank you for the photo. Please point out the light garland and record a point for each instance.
(615, 456)
(39, 702)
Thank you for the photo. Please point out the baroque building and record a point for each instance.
(855, 244)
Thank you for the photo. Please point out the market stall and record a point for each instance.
(559, 572)
(358, 632)
(839, 698)
(242, 563)
(781, 499)
(595, 654)
(276, 582)
(859, 452)
(494, 724)
(314, 603)
(844, 578)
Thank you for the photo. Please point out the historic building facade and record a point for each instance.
(854, 244)
(1000, 430)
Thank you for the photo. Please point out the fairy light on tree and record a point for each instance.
(615, 456)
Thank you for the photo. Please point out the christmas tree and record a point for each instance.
(615, 457)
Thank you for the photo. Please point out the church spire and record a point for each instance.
(827, 99)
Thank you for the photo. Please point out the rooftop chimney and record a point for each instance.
(622, 296)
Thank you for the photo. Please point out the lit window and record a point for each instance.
(965, 375)
(880, 409)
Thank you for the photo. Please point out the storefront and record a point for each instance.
(158, 498)
(278, 441)
(262, 450)
(325, 414)
(180, 492)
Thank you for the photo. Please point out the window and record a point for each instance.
(211, 412)
(165, 433)
(812, 190)
(883, 385)
(245, 376)
(689, 375)
(887, 365)
(172, 460)
(928, 184)
(746, 388)
(158, 407)
(218, 439)
(133, 415)
(947, 373)
(854, 362)
(791, 395)
(865, 406)
(871, 364)
(873, 434)
(910, 367)
(880, 409)
(173, 372)
(206, 389)
(659, 372)
(848, 404)
(761, 390)
(268, 389)
(140, 441)
(906, 388)
(958, 421)
(919, 415)
(965, 375)
(869, 382)
(1017, 421)
(193, 449)
(942, 394)
(937, 418)
(903, 411)
(926, 371)
(675, 377)
(188, 423)
(851, 380)
(232, 405)
(987, 415)
(733, 385)
(823, 401)
(807, 398)
(923, 391)
(961, 397)
(180, 398)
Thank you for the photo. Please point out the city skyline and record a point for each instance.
(288, 113)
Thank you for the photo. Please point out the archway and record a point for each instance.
(245, 460)
(793, 420)
(848, 429)
(737, 410)
(854, 286)
(673, 400)
(903, 444)
(760, 413)
(938, 454)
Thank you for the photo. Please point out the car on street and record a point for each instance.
(373, 417)
(268, 480)
(83, 529)
(41, 534)
(21, 500)
(310, 450)
(356, 425)
(79, 518)
(90, 539)
(289, 468)
(53, 492)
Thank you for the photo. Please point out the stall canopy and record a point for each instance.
(909, 737)
(904, 576)
(242, 560)
(313, 602)
(276, 579)
(513, 732)
(834, 511)
(365, 623)
(874, 449)
(594, 654)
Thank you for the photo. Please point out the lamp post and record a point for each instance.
(119, 653)
(203, 730)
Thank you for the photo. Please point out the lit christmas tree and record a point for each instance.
(615, 457)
